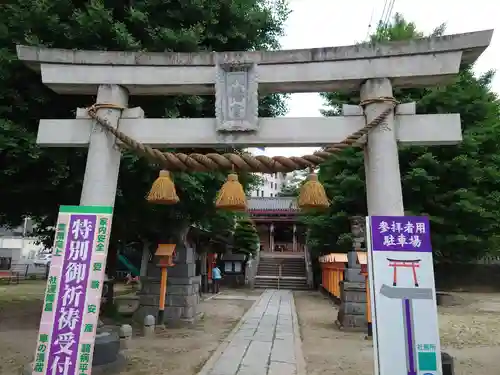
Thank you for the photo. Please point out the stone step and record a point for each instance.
(299, 270)
(302, 264)
(296, 270)
(282, 278)
(281, 287)
(283, 273)
(268, 285)
(272, 269)
(285, 266)
(264, 269)
(295, 283)
(274, 261)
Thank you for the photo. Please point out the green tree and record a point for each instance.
(457, 186)
(292, 187)
(36, 181)
(246, 238)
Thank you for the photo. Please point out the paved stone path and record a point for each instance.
(265, 342)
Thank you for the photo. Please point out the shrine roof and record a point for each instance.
(333, 258)
(272, 204)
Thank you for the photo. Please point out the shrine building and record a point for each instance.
(277, 222)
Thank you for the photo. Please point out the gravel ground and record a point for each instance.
(469, 332)
(180, 351)
(183, 351)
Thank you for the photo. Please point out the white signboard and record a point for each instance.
(237, 266)
(403, 296)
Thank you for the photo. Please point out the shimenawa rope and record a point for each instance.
(238, 162)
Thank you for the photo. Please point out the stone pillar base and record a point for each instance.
(183, 287)
(181, 303)
(354, 275)
(352, 309)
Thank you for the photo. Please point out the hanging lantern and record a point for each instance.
(231, 196)
(163, 190)
(312, 194)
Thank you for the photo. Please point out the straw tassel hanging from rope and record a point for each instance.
(312, 194)
(231, 195)
(163, 190)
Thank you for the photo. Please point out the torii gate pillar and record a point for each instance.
(103, 158)
(384, 194)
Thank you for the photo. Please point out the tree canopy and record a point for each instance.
(457, 186)
(35, 181)
(292, 186)
(246, 238)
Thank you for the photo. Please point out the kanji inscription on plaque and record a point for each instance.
(236, 98)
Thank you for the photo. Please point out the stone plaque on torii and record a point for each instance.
(237, 78)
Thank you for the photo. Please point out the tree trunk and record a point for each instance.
(145, 259)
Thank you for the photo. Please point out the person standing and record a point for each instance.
(216, 278)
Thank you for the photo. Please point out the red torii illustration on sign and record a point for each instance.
(413, 264)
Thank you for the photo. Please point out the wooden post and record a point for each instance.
(335, 280)
(271, 237)
(332, 272)
(163, 293)
(144, 259)
(323, 274)
(166, 253)
(209, 266)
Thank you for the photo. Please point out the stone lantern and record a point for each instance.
(358, 230)
(352, 310)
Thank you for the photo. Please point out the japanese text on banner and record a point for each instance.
(65, 338)
(395, 233)
(93, 297)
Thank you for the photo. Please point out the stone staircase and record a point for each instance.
(293, 272)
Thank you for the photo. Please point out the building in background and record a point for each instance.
(19, 248)
(277, 223)
(271, 183)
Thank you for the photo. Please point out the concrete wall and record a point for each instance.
(23, 249)
(468, 277)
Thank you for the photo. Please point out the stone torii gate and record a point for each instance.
(237, 79)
